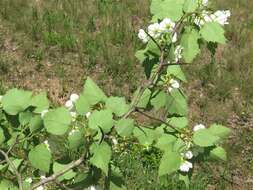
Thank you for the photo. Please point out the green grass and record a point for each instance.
(66, 41)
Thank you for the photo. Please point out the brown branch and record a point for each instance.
(18, 175)
(58, 174)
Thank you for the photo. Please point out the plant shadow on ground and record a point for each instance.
(54, 45)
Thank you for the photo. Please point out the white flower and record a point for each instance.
(73, 115)
(178, 53)
(29, 180)
(47, 144)
(167, 25)
(154, 30)
(174, 84)
(204, 2)
(69, 104)
(74, 97)
(93, 188)
(198, 127)
(174, 38)
(40, 188)
(222, 17)
(185, 167)
(188, 155)
(143, 36)
(43, 113)
(88, 115)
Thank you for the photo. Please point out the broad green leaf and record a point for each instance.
(57, 121)
(15, 101)
(57, 167)
(24, 118)
(124, 127)
(219, 153)
(82, 105)
(140, 55)
(36, 123)
(144, 100)
(40, 158)
(7, 185)
(161, 9)
(178, 122)
(159, 100)
(75, 139)
(40, 102)
(177, 103)
(213, 32)
(2, 136)
(93, 93)
(190, 45)
(101, 156)
(117, 105)
(219, 130)
(170, 163)
(101, 119)
(16, 162)
(204, 138)
(176, 71)
(145, 136)
(190, 5)
(179, 145)
(165, 142)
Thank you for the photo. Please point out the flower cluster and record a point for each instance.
(157, 30)
(219, 16)
(173, 84)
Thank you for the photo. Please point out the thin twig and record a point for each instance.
(18, 175)
(58, 174)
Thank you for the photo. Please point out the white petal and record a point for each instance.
(74, 97)
(198, 127)
(69, 104)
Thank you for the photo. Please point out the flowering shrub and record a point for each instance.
(91, 126)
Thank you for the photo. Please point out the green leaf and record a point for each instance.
(190, 5)
(165, 142)
(117, 105)
(82, 105)
(24, 118)
(219, 153)
(185, 179)
(204, 138)
(213, 32)
(170, 163)
(177, 103)
(40, 102)
(57, 121)
(2, 136)
(144, 100)
(145, 136)
(160, 100)
(140, 55)
(190, 45)
(7, 185)
(219, 130)
(178, 122)
(16, 162)
(15, 101)
(75, 139)
(101, 119)
(161, 9)
(101, 156)
(93, 93)
(57, 167)
(40, 158)
(124, 127)
(36, 123)
(176, 71)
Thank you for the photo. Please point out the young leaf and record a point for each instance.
(213, 32)
(36, 123)
(101, 119)
(40, 158)
(176, 71)
(101, 156)
(170, 163)
(219, 130)
(165, 142)
(160, 100)
(24, 118)
(219, 153)
(57, 167)
(82, 105)
(178, 122)
(117, 105)
(40, 102)
(57, 121)
(204, 138)
(93, 93)
(124, 127)
(15, 101)
(177, 103)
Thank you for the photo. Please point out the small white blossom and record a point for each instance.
(40, 188)
(222, 17)
(178, 53)
(204, 2)
(74, 97)
(29, 180)
(43, 113)
(88, 114)
(174, 84)
(47, 144)
(167, 25)
(69, 104)
(143, 36)
(185, 167)
(198, 127)
(188, 155)
(154, 30)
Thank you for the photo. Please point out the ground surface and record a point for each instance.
(55, 45)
